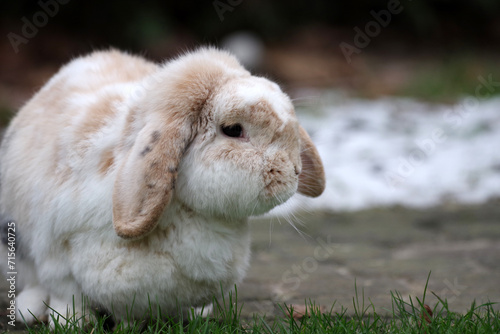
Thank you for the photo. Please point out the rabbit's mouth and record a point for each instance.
(278, 190)
(280, 180)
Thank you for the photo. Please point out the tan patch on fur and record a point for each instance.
(63, 174)
(97, 116)
(286, 134)
(263, 114)
(107, 160)
(146, 244)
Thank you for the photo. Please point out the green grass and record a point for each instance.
(6, 115)
(450, 78)
(404, 317)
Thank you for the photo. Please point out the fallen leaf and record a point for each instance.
(298, 311)
(427, 314)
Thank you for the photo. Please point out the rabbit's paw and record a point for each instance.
(31, 305)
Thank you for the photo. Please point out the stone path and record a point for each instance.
(382, 250)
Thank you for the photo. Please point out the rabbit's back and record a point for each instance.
(99, 69)
(64, 142)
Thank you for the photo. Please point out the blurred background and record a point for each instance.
(402, 99)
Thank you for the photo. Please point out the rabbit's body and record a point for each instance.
(127, 206)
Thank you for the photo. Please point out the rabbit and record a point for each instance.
(131, 183)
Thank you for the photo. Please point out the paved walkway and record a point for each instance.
(382, 250)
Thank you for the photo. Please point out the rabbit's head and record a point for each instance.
(225, 143)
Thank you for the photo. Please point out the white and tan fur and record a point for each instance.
(124, 188)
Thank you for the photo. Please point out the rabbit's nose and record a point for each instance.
(297, 170)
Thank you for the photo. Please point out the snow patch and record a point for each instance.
(399, 151)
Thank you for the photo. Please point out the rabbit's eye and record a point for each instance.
(234, 131)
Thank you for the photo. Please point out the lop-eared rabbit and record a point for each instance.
(130, 183)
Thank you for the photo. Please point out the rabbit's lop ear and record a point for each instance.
(312, 177)
(146, 179)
